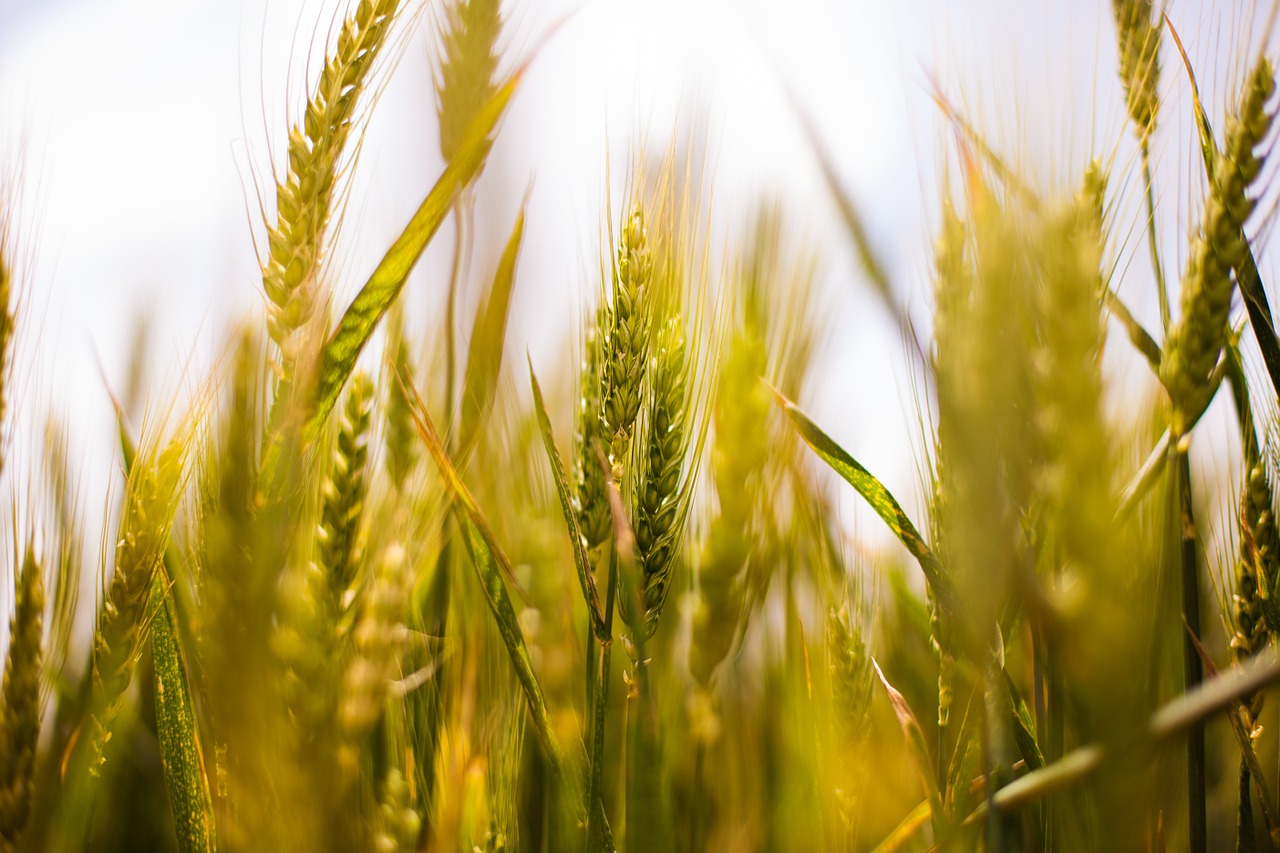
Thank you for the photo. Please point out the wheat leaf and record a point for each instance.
(580, 559)
(488, 334)
(875, 494)
(491, 563)
(177, 732)
(361, 317)
(916, 742)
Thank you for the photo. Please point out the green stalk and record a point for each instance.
(1192, 669)
(597, 831)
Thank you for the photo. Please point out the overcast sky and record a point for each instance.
(144, 124)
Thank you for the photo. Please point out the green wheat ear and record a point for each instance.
(589, 500)
(662, 504)
(1254, 607)
(626, 350)
(344, 491)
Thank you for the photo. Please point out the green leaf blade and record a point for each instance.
(177, 731)
(338, 358)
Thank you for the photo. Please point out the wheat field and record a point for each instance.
(371, 578)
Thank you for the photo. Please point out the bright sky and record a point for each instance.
(144, 126)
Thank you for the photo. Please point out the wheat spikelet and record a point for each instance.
(661, 504)
(344, 491)
(305, 196)
(952, 291)
(626, 350)
(20, 715)
(398, 823)
(465, 80)
(151, 495)
(1072, 479)
(1254, 607)
(590, 502)
(1139, 44)
(1196, 339)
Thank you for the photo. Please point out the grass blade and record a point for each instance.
(361, 317)
(484, 359)
(581, 561)
(178, 733)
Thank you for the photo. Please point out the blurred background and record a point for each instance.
(145, 132)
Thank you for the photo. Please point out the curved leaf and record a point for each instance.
(880, 499)
(361, 317)
(580, 559)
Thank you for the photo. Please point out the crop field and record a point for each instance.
(373, 580)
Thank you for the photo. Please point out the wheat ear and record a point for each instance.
(305, 195)
(1195, 341)
(20, 715)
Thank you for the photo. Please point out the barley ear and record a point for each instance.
(20, 715)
